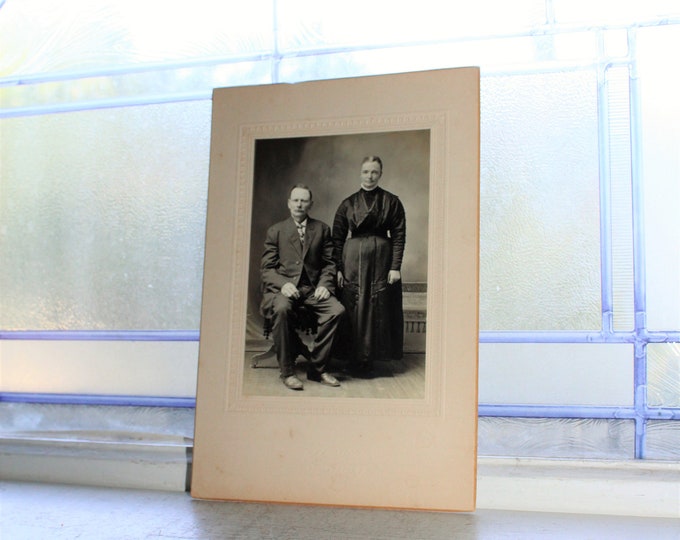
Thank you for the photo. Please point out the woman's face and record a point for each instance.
(370, 174)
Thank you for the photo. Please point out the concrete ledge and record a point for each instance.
(625, 488)
(630, 488)
(158, 464)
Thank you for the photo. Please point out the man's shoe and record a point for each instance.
(329, 380)
(293, 383)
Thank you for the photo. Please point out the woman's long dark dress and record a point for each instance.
(369, 235)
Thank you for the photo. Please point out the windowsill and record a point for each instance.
(640, 488)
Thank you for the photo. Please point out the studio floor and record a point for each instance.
(34, 511)
(399, 379)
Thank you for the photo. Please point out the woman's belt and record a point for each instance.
(369, 234)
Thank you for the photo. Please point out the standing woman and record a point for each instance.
(369, 235)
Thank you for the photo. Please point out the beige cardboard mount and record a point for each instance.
(338, 449)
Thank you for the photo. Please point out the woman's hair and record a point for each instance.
(368, 159)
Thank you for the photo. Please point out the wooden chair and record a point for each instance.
(304, 323)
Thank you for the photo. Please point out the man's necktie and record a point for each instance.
(301, 232)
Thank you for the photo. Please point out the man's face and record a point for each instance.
(299, 204)
(370, 174)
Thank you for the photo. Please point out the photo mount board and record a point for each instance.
(418, 454)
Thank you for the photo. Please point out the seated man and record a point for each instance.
(297, 269)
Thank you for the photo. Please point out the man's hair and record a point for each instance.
(375, 159)
(301, 186)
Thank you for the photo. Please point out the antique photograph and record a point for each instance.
(337, 282)
(339, 320)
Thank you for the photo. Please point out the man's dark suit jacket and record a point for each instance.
(284, 258)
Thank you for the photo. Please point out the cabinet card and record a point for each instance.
(403, 435)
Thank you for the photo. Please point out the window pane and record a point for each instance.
(92, 422)
(612, 11)
(158, 84)
(663, 374)
(492, 54)
(42, 36)
(557, 438)
(160, 368)
(540, 249)
(305, 24)
(103, 217)
(663, 440)
(618, 175)
(556, 374)
(660, 107)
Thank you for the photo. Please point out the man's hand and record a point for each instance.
(290, 291)
(341, 279)
(321, 293)
(393, 277)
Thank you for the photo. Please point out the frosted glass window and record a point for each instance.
(660, 109)
(305, 24)
(107, 368)
(42, 36)
(151, 85)
(540, 230)
(498, 53)
(64, 421)
(104, 153)
(620, 196)
(557, 438)
(616, 42)
(556, 374)
(663, 374)
(574, 46)
(103, 218)
(612, 11)
(663, 440)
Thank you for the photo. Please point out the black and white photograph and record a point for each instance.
(337, 282)
(339, 319)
